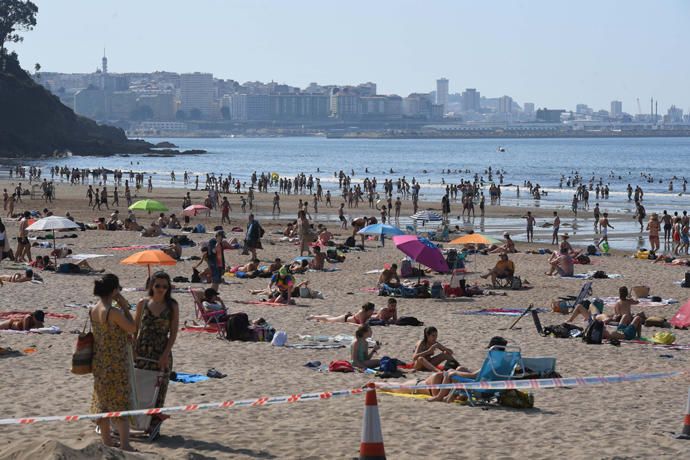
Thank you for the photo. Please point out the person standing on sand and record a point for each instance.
(530, 226)
(216, 259)
(111, 329)
(341, 216)
(604, 225)
(653, 226)
(597, 216)
(640, 214)
(252, 241)
(556, 227)
(225, 209)
(668, 225)
(574, 205)
(276, 203)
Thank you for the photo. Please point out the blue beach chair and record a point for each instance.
(500, 364)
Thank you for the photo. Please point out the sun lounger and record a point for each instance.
(570, 302)
(211, 319)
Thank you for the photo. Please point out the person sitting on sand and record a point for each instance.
(622, 310)
(153, 230)
(28, 275)
(359, 350)
(281, 286)
(289, 230)
(504, 269)
(508, 246)
(319, 259)
(174, 223)
(389, 277)
(389, 313)
(325, 237)
(628, 331)
(132, 226)
(561, 263)
(425, 356)
(361, 317)
(213, 303)
(101, 225)
(175, 249)
(26, 323)
(162, 220)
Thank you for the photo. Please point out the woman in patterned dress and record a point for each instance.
(157, 321)
(111, 328)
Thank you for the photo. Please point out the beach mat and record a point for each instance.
(500, 311)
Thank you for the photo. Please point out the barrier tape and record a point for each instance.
(257, 402)
(533, 384)
(325, 395)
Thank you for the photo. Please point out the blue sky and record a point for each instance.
(553, 53)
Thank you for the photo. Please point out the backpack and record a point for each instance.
(388, 365)
(350, 241)
(237, 327)
(516, 399)
(516, 283)
(408, 321)
(406, 268)
(594, 333)
(591, 250)
(340, 366)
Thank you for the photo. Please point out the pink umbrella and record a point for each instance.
(422, 252)
(194, 209)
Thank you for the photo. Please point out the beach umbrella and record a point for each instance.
(424, 253)
(475, 238)
(194, 209)
(148, 205)
(427, 216)
(381, 230)
(148, 258)
(52, 223)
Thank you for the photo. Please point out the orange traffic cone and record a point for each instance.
(685, 434)
(371, 447)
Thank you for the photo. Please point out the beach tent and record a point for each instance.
(681, 319)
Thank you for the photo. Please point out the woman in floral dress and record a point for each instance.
(157, 321)
(111, 327)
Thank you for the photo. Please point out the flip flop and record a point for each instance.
(214, 374)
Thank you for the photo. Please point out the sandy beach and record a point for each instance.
(629, 420)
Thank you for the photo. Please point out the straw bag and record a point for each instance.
(83, 353)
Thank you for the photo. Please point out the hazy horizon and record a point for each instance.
(551, 53)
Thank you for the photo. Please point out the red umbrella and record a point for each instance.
(194, 209)
(422, 252)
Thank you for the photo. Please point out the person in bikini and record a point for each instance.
(425, 356)
(28, 275)
(360, 355)
(361, 317)
(26, 323)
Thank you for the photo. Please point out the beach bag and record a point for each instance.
(656, 321)
(516, 399)
(388, 365)
(350, 241)
(436, 290)
(199, 228)
(600, 274)
(408, 321)
(279, 339)
(406, 268)
(560, 331)
(82, 358)
(237, 327)
(516, 283)
(591, 250)
(664, 338)
(340, 366)
(594, 333)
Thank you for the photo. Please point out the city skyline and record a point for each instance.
(553, 55)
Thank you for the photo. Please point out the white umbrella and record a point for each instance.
(52, 223)
(426, 216)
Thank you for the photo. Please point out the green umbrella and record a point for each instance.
(148, 205)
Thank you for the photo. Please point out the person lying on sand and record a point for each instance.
(425, 357)
(437, 378)
(389, 313)
(299, 266)
(80, 268)
(361, 317)
(28, 275)
(28, 322)
(622, 310)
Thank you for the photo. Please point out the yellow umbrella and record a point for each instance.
(475, 238)
(148, 258)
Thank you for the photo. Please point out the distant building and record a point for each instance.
(418, 105)
(162, 105)
(344, 103)
(528, 108)
(470, 100)
(505, 104)
(251, 107)
(120, 104)
(366, 89)
(197, 92)
(549, 115)
(583, 109)
(90, 102)
(442, 92)
(674, 115)
(393, 106)
(616, 109)
(163, 126)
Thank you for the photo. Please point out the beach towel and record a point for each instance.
(415, 396)
(331, 269)
(88, 256)
(500, 311)
(590, 275)
(136, 247)
(643, 302)
(38, 330)
(371, 272)
(265, 302)
(183, 377)
(681, 319)
(210, 329)
(314, 346)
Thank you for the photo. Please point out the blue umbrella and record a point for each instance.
(381, 230)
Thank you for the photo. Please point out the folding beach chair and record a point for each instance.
(211, 319)
(500, 364)
(539, 367)
(568, 303)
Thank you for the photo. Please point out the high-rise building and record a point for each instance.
(442, 92)
(104, 63)
(505, 104)
(528, 108)
(674, 115)
(549, 115)
(616, 109)
(196, 92)
(470, 100)
(583, 109)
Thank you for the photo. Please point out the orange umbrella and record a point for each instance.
(475, 238)
(148, 258)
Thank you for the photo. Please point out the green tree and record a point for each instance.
(180, 115)
(195, 114)
(15, 16)
(141, 113)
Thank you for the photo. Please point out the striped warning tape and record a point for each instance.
(263, 401)
(325, 395)
(533, 384)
